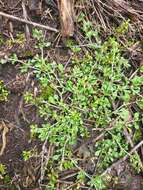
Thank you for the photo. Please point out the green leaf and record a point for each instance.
(140, 103)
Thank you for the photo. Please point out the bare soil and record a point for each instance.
(17, 117)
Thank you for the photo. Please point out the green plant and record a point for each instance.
(2, 170)
(88, 29)
(19, 39)
(41, 43)
(96, 91)
(27, 154)
(97, 183)
(123, 28)
(136, 162)
(3, 92)
(3, 174)
(1, 40)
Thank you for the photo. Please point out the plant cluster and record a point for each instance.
(96, 92)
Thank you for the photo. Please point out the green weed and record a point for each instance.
(1, 40)
(3, 174)
(19, 40)
(3, 92)
(27, 154)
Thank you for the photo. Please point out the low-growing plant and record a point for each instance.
(1, 40)
(136, 162)
(95, 90)
(19, 40)
(2, 170)
(3, 174)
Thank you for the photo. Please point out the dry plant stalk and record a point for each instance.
(66, 17)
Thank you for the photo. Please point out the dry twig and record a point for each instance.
(28, 22)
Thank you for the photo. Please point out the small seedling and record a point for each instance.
(27, 154)
(3, 92)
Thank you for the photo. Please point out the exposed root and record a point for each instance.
(4, 133)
